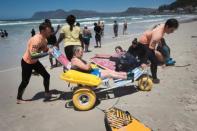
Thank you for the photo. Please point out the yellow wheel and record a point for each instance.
(84, 99)
(145, 83)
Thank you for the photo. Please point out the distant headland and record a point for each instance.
(59, 14)
(177, 7)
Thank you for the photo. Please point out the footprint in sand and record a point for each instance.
(193, 36)
(191, 108)
(179, 126)
(195, 80)
(190, 102)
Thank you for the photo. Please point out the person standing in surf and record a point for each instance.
(115, 28)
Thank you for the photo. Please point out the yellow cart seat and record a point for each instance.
(77, 77)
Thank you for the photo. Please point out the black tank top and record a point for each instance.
(81, 70)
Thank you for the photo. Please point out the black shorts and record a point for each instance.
(98, 37)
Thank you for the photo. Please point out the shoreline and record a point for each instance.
(189, 20)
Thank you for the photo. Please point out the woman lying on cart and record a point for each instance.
(77, 63)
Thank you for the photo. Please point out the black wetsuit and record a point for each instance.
(26, 75)
(97, 30)
(139, 52)
(115, 27)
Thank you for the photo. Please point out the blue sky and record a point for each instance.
(26, 8)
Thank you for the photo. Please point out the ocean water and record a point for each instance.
(13, 47)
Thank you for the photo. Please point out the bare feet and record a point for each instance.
(163, 66)
(21, 101)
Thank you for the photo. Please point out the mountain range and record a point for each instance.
(61, 14)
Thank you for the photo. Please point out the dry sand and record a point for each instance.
(170, 106)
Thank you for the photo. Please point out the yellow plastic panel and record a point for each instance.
(77, 77)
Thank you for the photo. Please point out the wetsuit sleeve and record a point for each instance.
(130, 50)
(35, 55)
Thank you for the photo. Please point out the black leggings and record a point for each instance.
(153, 60)
(26, 75)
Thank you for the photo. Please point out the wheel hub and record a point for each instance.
(83, 99)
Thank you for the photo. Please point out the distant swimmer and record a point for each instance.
(37, 48)
(33, 32)
(124, 27)
(5, 33)
(2, 33)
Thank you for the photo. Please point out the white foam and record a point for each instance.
(20, 23)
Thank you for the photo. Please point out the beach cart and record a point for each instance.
(88, 85)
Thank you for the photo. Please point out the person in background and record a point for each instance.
(33, 32)
(52, 40)
(101, 24)
(139, 52)
(6, 33)
(2, 33)
(80, 35)
(119, 51)
(86, 38)
(70, 33)
(115, 28)
(124, 27)
(102, 28)
(36, 48)
(78, 24)
(97, 30)
(151, 38)
(164, 53)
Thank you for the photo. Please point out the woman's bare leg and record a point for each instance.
(113, 74)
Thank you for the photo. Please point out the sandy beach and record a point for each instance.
(169, 106)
